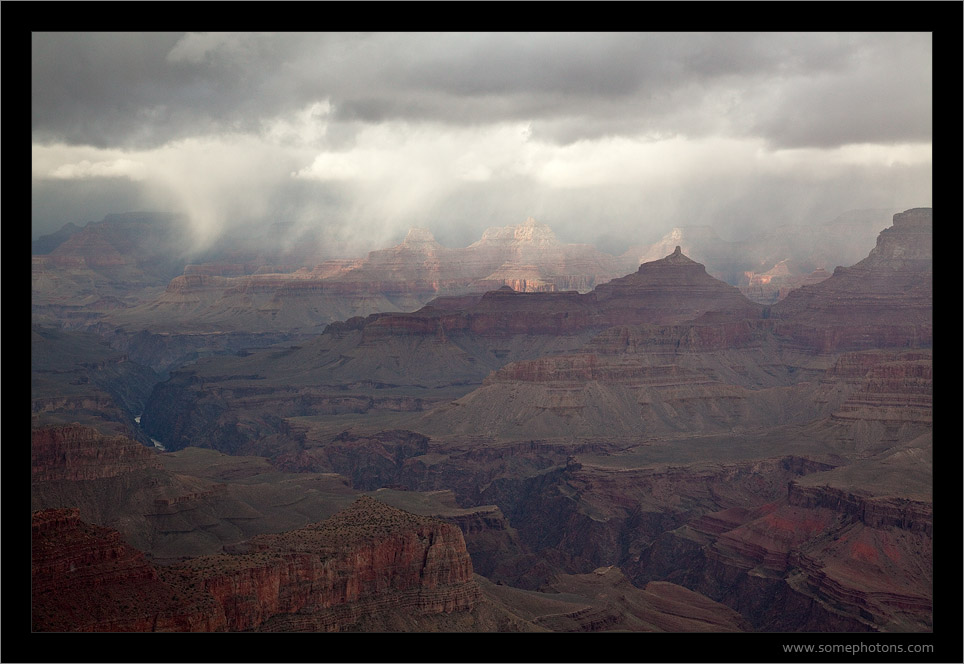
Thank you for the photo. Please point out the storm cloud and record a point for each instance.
(607, 137)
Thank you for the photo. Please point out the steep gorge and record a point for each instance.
(660, 425)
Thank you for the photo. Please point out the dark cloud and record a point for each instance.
(608, 135)
(883, 96)
(144, 89)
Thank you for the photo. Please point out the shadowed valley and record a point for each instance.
(521, 435)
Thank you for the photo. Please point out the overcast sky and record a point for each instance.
(611, 138)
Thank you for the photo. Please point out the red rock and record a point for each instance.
(776, 283)
(81, 453)
(369, 560)
(86, 578)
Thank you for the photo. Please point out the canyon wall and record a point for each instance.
(370, 559)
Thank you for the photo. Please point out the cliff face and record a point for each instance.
(233, 297)
(697, 377)
(822, 558)
(616, 604)
(369, 558)
(75, 453)
(885, 300)
(366, 561)
(393, 361)
(669, 291)
(896, 387)
(85, 578)
(76, 377)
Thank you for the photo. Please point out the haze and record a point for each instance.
(611, 139)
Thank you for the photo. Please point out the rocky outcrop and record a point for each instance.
(236, 296)
(371, 462)
(884, 301)
(76, 453)
(668, 291)
(366, 561)
(807, 247)
(659, 607)
(896, 388)
(604, 600)
(697, 377)
(85, 578)
(829, 559)
(875, 512)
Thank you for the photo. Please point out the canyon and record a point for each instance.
(130, 278)
(502, 448)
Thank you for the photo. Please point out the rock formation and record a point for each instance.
(75, 453)
(657, 453)
(369, 560)
(85, 578)
(231, 297)
(826, 558)
(807, 247)
(386, 361)
(604, 600)
(76, 377)
(109, 277)
(670, 290)
(115, 263)
(885, 300)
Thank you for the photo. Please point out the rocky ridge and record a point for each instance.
(325, 577)
(885, 300)
(109, 277)
(387, 361)
(403, 278)
(747, 512)
(78, 453)
(85, 578)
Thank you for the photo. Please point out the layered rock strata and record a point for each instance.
(85, 578)
(823, 558)
(604, 600)
(392, 361)
(885, 300)
(79, 453)
(369, 560)
(644, 380)
(667, 291)
(230, 297)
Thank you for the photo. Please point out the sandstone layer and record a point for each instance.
(387, 361)
(885, 300)
(85, 578)
(527, 258)
(368, 560)
(775, 460)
